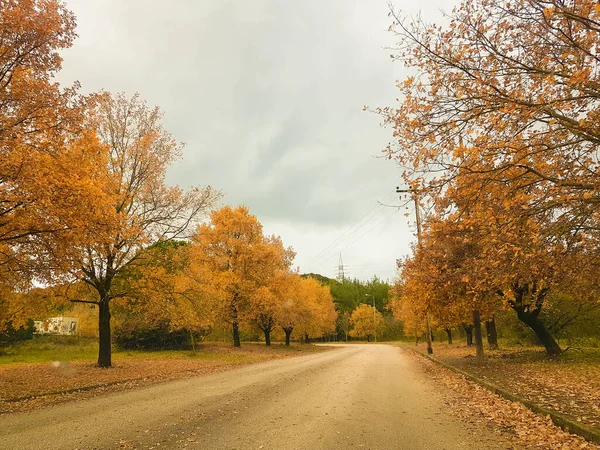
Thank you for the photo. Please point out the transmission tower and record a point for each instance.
(340, 275)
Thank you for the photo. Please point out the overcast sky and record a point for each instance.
(268, 96)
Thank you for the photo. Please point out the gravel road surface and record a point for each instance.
(353, 397)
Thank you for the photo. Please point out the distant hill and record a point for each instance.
(320, 278)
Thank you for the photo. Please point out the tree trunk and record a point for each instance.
(235, 323)
(193, 342)
(428, 333)
(478, 337)
(532, 320)
(528, 313)
(492, 335)
(449, 333)
(469, 333)
(236, 334)
(104, 340)
(267, 336)
(306, 338)
(288, 333)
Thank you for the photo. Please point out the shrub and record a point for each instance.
(135, 334)
(11, 335)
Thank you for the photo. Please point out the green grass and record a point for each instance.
(50, 348)
(120, 355)
(43, 349)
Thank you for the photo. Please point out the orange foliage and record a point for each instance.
(320, 314)
(366, 321)
(159, 292)
(500, 128)
(507, 95)
(232, 263)
(48, 189)
(145, 210)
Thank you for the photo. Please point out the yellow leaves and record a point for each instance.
(48, 157)
(366, 321)
(548, 12)
(319, 310)
(244, 271)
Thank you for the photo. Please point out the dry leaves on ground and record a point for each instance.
(475, 403)
(568, 387)
(28, 386)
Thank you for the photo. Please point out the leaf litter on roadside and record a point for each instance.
(474, 403)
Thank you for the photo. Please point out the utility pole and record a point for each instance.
(415, 195)
(374, 320)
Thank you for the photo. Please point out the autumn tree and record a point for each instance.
(160, 295)
(505, 96)
(320, 313)
(232, 262)
(145, 209)
(408, 309)
(49, 191)
(18, 306)
(499, 127)
(263, 307)
(281, 302)
(485, 262)
(292, 307)
(506, 93)
(366, 322)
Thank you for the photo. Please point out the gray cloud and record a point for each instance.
(267, 94)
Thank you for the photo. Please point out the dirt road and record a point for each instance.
(353, 397)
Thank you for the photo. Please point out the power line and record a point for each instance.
(372, 228)
(346, 234)
(335, 241)
(360, 236)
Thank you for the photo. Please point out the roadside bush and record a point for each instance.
(138, 335)
(11, 335)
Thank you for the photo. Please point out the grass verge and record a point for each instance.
(54, 372)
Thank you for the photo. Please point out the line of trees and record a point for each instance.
(228, 275)
(85, 209)
(351, 296)
(82, 188)
(498, 128)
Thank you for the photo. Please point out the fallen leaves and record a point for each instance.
(29, 386)
(476, 403)
(565, 386)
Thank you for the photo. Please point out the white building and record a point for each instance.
(57, 325)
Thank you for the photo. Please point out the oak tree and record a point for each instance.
(292, 308)
(145, 209)
(321, 315)
(366, 322)
(233, 262)
(499, 127)
(49, 191)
